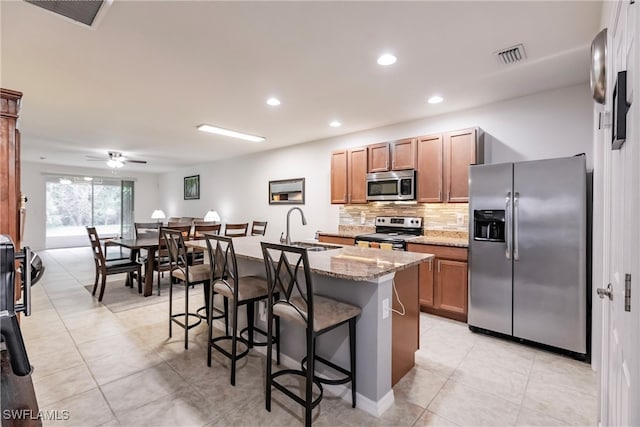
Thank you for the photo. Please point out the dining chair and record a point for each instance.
(188, 275)
(199, 230)
(146, 229)
(106, 268)
(258, 228)
(236, 230)
(287, 269)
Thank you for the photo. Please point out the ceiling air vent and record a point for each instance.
(82, 11)
(511, 55)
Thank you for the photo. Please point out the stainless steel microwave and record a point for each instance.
(389, 186)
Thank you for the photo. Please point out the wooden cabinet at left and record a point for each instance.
(10, 165)
(348, 173)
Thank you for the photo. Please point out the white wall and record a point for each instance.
(33, 186)
(547, 124)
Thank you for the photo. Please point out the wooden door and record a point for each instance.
(403, 154)
(429, 169)
(10, 165)
(357, 174)
(459, 153)
(451, 286)
(617, 229)
(339, 177)
(425, 275)
(378, 157)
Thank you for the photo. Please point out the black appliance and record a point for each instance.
(32, 268)
(392, 232)
(488, 225)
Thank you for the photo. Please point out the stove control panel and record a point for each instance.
(399, 221)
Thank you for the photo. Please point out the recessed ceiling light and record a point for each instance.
(386, 59)
(435, 99)
(335, 124)
(273, 102)
(88, 178)
(231, 133)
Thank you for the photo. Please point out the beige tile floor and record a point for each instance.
(122, 369)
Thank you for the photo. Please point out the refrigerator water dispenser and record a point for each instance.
(488, 225)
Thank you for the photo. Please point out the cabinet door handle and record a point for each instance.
(438, 267)
(440, 194)
(430, 264)
(449, 195)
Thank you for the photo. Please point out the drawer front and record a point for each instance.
(445, 252)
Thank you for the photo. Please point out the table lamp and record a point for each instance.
(212, 216)
(158, 215)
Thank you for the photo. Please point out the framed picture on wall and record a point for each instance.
(192, 187)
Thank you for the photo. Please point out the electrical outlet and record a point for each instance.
(262, 311)
(459, 219)
(363, 218)
(385, 308)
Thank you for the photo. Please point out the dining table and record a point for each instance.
(148, 243)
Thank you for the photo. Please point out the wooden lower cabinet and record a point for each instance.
(444, 281)
(337, 240)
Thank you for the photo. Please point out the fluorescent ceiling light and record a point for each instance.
(88, 178)
(231, 133)
(386, 59)
(435, 99)
(335, 124)
(273, 102)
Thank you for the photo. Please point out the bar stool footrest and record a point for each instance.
(347, 375)
(174, 318)
(292, 395)
(261, 332)
(212, 343)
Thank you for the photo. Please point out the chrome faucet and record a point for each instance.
(287, 239)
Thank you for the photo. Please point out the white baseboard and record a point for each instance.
(341, 390)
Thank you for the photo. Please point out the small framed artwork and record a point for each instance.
(192, 187)
(286, 192)
(620, 107)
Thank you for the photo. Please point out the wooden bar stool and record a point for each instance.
(317, 314)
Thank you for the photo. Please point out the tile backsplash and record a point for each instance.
(453, 217)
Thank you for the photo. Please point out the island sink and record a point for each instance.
(315, 247)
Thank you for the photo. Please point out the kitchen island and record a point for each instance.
(363, 277)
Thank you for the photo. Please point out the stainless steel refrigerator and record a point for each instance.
(528, 251)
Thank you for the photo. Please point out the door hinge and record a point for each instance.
(627, 292)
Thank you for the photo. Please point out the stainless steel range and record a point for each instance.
(392, 232)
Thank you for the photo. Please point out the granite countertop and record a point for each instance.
(352, 233)
(346, 262)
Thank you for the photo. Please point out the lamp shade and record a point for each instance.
(157, 214)
(212, 216)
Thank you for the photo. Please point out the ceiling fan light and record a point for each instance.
(116, 164)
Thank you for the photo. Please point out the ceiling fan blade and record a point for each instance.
(95, 158)
(136, 161)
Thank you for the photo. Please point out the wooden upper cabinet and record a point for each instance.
(460, 150)
(357, 175)
(396, 155)
(378, 157)
(10, 166)
(339, 176)
(429, 169)
(403, 154)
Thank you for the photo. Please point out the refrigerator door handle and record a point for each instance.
(516, 253)
(507, 239)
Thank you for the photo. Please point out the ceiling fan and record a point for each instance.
(115, 159)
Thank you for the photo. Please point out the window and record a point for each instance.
(73, 203)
